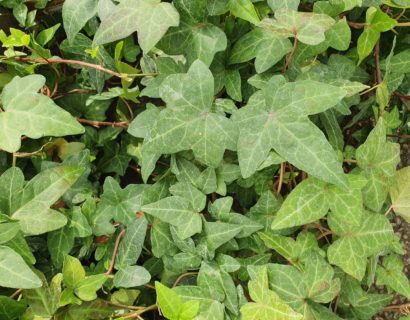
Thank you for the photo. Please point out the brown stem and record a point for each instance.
(138, 313)
(97, 124)
(281, 175)
(182, 276)
(377, 62)
(359, 25)
(400, 136)
(349, 161)
(401, 96)
(114, 253)
(402, 307)
(289, 59)
(76, 62)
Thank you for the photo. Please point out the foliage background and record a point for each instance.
(243, 153)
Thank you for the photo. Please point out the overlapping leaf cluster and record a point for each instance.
(202, 159)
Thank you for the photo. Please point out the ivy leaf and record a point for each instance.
(27, 112)
(60, 243)
(282, 124)
(14, 271)
(218, 233)
(378, 159)
(178, 212)
(120, 204)
(283, 4)
(73, 272)
(400, 193)
(267, 47)
(151, 18)
(32, 209)
(11, 309)
(267, 303)
(131, 276)
(377, 21)
(87, 288)
(391, 274)
(131, 245)
(199, 41)
(172, 306)
(188, 122)
(303, 291)
(307, 27)
(76, 14)
(355, 244)
(244, 9)
(312, 199)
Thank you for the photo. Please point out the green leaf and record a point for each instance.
(187, 122)
(8, 231)
(391, 274)
(339, 35)
(188, 191)
(303, 291)
(14, 271)
(267, 304)
(366, 42)
(73, 272)
(218, 233)
(60, 243)
(307, 27)
(282, 124)
(87, 288)
(131, 276)
(178, 212)
(131, 245)
(199, 41)
(265, 46)
(400, 193)
(120, 204)
(378, 159)
(11, 309)
(76, 14)
(27, 112)
(172, 306)
(150, 18)
(33, 210)
(355, 244)
(244, 9)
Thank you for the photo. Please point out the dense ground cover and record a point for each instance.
(193, 159)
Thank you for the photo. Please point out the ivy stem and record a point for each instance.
(400, 136)
(114, 253)
(97, 124)
(281, 175)
(292, 52)
(379, 79)
(85, 64)
(388, 210)
(360, 25)
(182, 276)
(139, 312)
(124, 306)
(16, 293)
(402, 307)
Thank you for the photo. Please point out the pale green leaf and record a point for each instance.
(267, 305)
(355, 244)
(307, 27)
(150, 18)
(33, 212)
(283, 4)
(29, 113)
(87, 288)
(131, 276)
(73, 272)
(178, 212)
(218, 233)
(400, 193)
(76, 14)
(391, 274)
(60, 243)
(14, 272)
(244, 9)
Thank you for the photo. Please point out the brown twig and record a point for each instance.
(292, 52)
(360, 25)
(16, 293)
(349, 161)
(281, 175)
(138, 313)
(401, 96)
(182, 276)
(377, 62)
(85, 64)
(97, 124)
(114, 253)
(400, 136)
(69, 61)
(403, 308)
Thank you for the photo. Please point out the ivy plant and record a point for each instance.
(193, 159)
